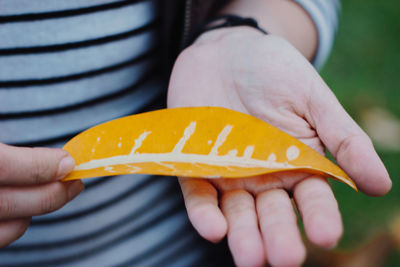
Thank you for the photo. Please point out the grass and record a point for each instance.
(363, 71)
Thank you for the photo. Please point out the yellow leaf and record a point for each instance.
(208, 142)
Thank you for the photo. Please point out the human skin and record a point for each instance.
(30, 186)
(270, 77)
(275, 83)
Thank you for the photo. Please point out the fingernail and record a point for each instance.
(74, 189)
(66, 165)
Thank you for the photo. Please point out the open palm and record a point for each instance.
(268, 78)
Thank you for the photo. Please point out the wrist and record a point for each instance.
(286, 19)
(228, 32)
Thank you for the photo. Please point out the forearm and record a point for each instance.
(284, 18)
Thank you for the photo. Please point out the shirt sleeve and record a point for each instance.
(324, 13)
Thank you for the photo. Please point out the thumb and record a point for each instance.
(348, 143)
(23, 166)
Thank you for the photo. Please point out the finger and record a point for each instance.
(201, 200)
(351, 147)
(22, 165)
(12, 230)
(36, 200)
(319, 211)
(244, 237)
(278, 224)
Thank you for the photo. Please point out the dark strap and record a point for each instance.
(227, 20)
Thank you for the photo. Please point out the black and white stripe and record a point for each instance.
(67, 65)
(64, 67)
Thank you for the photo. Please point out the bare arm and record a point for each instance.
(284, 18)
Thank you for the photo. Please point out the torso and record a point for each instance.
(69, 65)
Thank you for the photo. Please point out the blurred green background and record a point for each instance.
(363, 71)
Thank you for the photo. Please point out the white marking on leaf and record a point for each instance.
(176, 156)
(109, 169)
(186, 135)
(248, 152)
(271, 158)
(139, 141)
(224, 160)
(232, 152)
(221, 139)
(169, 166)
(134, 169)
(229, 169)
(292, 153)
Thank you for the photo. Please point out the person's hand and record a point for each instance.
(30, 186)
(263, 75)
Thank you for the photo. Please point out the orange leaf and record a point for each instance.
(209, 142)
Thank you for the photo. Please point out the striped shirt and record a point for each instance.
(67, 65)
(324, 13)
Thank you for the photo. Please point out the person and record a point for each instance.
(68, 65)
